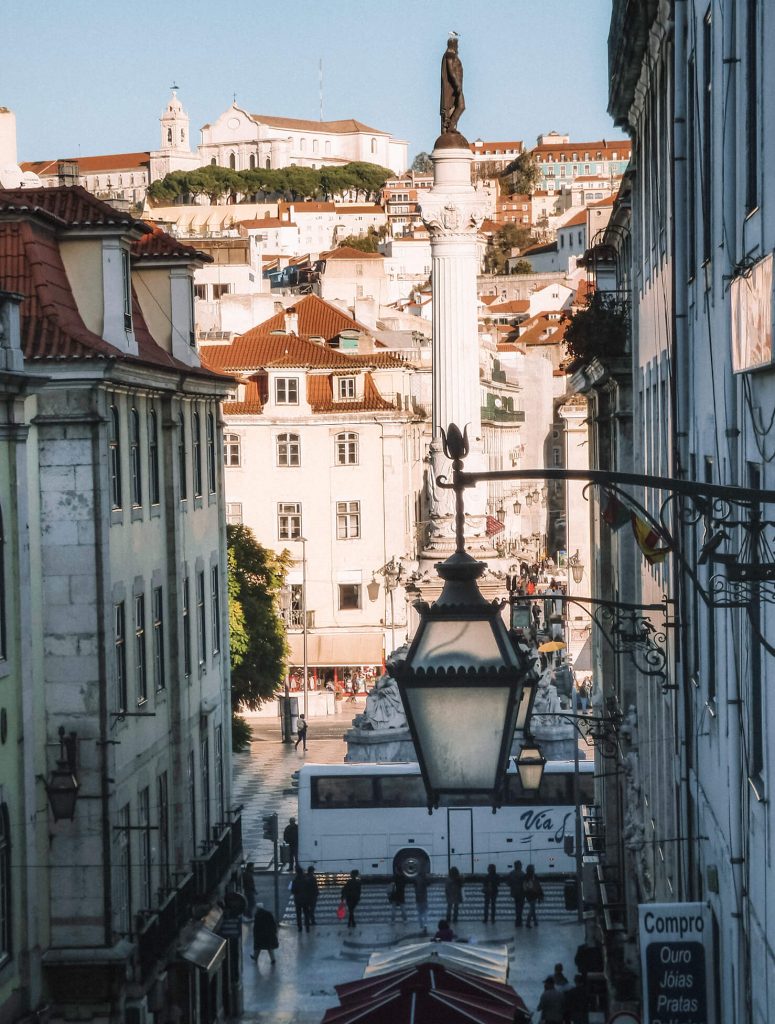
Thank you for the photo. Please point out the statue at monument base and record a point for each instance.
(381, 732)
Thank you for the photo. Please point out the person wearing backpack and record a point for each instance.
(490, 890)
(533, 894)
(397, 897)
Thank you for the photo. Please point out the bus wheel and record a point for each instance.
(411, 863)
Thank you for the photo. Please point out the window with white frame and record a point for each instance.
(289, 520)
(114, 451)
(286, 391)
(134, 458)
(234, 513)
(346, 388)
(153, 457)
(144, 822)
(215, 608)
(186, 627)
(141, 667)
(347, 448)
(211, 470)
(288, 450)
(348, 520)
(232, 450)
(158, 638)
(119, 643)
(349, 596)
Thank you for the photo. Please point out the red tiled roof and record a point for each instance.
(577, 218)
(267, 222)
(316, 318)
(307, 206)
(159, 245)
(373, 208)
(541, 330)
(605, 201)
(91, 164)
(542, 247)
(250, 405)
(344, 127)
(320, 395)
(347, 252)
(72, 206)
(514, 306)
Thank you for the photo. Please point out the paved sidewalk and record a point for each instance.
(300, 987)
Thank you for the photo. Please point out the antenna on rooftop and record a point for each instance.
(321, 88)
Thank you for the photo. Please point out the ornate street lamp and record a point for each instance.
(62, 785)
(576, 567)
(517, 507)
(500, 514)
(530, 765)
(463, 680)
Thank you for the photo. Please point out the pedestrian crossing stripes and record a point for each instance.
(374, 907)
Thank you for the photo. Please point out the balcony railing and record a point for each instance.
(211, 868)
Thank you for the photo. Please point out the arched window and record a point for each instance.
(302, 145)
(212, 162)
(252, 161)
(196, 446)
(347, 448)
(210, 453)
(232, 161)
(232, 453)
(328, 147)
(182, 135)
(134, 457)
(314, 145)
(268, 164)
(288, 450)
(6, 947)
(374, 145)
(153, 456)
(182, 467)
(169, 135)
(114, 454)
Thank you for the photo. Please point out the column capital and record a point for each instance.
(453, 218)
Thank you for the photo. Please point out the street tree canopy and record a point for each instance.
(257, 634)
(501, 246)
(522, 175)
(422, 164)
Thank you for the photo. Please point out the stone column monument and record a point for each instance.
(453, 213)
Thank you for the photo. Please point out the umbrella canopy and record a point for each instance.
(416, 1006)
(551, 645)
(488, 962)
(430, 976)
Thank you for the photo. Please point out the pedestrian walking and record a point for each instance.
(264, 933)
(351, 895)
(490, 890)
(515, 880)
(249, 891)
(301, 898)
(397, 897)
(561, 983)
(301, 734)
(551, 1004)
(291, 838)
(453, 890)
(533, 894)
(575, 1002)
(313, 891)
(421, 901)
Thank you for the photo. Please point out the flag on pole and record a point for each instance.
(649, 540)
(615, 513)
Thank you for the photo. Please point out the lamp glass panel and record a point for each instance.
(460, 731)
(524, 706)
(449, 643)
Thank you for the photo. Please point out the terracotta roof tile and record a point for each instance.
(91, 164)
(344, 127)
(576, 219)
(514, 306)
(71, 205)
(317, 319)
(320, 396)
(347, 252)
(307, 206)
(250, 405)
(159, 245)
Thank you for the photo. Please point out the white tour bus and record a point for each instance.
(374, 817)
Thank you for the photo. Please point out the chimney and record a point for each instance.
(291, 318)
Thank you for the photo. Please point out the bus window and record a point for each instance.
(554, 790)
(401, 791)
(337, 791)
(586, 788)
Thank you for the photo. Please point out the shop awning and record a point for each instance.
(333, 650)
(204, 949)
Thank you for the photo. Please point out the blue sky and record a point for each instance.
(86, 77)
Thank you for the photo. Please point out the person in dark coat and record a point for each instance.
(301, 733)
(490, 890)
(515, 880)
(533, 894)
(397, 897)
(291, 838)
(575, 1003)
(550, 1005)
(300, 890)
(444, 932)
(351, 895)
(264, 933)
(453, 890)
(313, 891)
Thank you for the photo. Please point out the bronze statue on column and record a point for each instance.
(452, 100)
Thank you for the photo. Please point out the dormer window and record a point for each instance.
(346, 388)
(127, 283)
(286, 391)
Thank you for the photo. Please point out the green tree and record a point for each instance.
(365, 243)
(522, 175)
(257, 634)
(214, 182)
(501, 245)
(522, 267)
(422, 164)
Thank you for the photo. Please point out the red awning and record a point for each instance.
(494, 526)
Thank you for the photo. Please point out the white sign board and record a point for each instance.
(677, 963)
(752, 317)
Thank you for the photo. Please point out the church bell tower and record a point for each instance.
(174, 126)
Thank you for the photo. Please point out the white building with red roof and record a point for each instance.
(334, 429)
